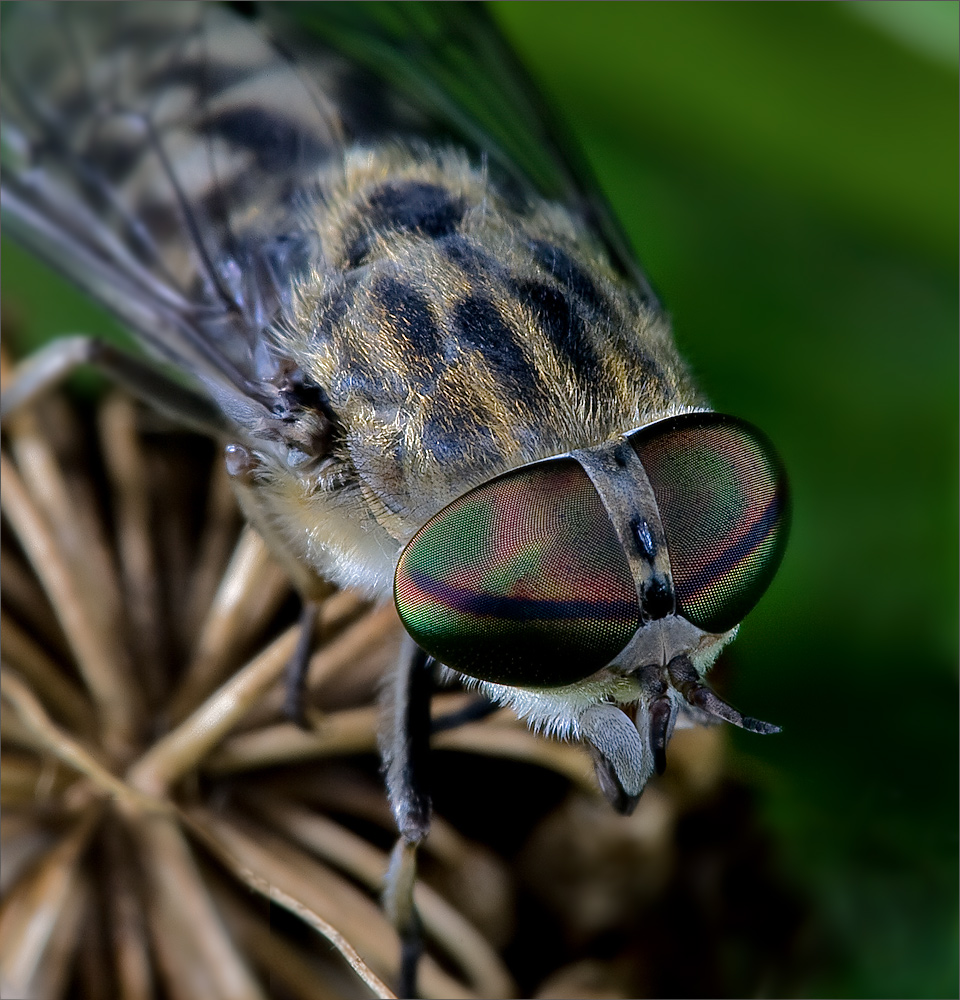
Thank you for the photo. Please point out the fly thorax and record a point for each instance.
(460, 332)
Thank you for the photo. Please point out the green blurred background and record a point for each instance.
(788, 174)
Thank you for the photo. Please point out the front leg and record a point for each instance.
(294, 702)
(406, 748)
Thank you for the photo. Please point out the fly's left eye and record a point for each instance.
(522, 580)
(722, 495)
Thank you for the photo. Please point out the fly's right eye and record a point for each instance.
(522, 580)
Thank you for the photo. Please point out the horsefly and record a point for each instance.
(382, 280)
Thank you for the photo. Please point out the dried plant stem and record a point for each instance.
(237, 852)
(196, 954)
(102, 672)
(353, 731)
(22, 841)
(228, 623)
(361, 860)
(53, 975)
(47, 485)
(339, 608)
(30, 921)
(335, 734)
(342, 653)
(45, 677)
(221, 527)
(185, 746)
(23, 597)
(481, 879)
(29, 782)
(70, 509)
(137, 903)
(281, 961)
(353, 643)
(17, 733)
(278, 865)
(69, 750)
(131, 952)
(128, 474)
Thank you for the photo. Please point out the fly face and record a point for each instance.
(612, 574)
(386, 296)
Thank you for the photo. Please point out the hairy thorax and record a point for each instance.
(457, 333)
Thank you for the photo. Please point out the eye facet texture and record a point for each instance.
(522, 580)
(723, 500)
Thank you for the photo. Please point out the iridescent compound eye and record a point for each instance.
(722, 495)
(522, 580)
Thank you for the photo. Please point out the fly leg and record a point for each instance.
(406, 756)
(45, 368)
(477, 710)
(294, 703)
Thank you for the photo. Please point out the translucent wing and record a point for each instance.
(161, 154)
(450, 62)
(157, 154)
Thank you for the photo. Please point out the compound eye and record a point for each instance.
(521, 580)
(723, 500)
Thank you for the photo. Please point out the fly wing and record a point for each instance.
(450, 63)
(157, 154)
(161, 154)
